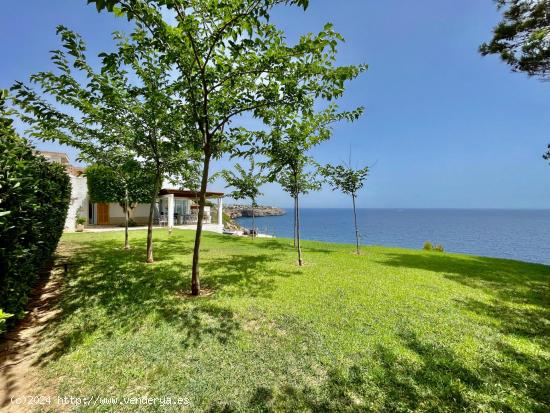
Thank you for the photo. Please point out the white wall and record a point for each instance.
(79, 199)
(115, 210)
(141, 210)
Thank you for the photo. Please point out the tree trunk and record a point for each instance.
(150, 223)
(126, 243)
(294, 222)
(356, 229)
(300, 262)
(253, 223)
(195, 279)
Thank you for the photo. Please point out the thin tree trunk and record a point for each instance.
(356, 229)
(126, 242)
(300, 262)
(294, 211)
(253, 223)
(195, 278)
(150, 223)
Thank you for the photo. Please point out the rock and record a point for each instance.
(236, 211)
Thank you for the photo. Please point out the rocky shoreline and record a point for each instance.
(237, 211)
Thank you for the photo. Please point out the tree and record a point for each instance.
(296, 181)
(522, 38)
(232, 61)
(126, 184)
(34, 199)
(129, 106)
(286, 144)
(349, 181)
(247, 186)
(547, 154)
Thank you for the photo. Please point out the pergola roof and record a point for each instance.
(186, 193)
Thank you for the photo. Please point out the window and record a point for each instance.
(180, 207)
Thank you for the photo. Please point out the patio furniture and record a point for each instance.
(163, 221)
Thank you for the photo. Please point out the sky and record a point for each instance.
(443, 126)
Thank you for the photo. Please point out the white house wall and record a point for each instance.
(115, 211)
(79, 199)
(141, 210)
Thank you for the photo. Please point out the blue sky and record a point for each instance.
(443, 128)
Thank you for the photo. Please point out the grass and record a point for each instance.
(391, 330)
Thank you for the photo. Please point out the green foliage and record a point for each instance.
(3, 317)
(34, 198)
(126, 111)
(429, 247)
(123, 182)
(522, 38)
(246, 183)
(546, 156)
(219, 51)
(344, 178)
(80, 220)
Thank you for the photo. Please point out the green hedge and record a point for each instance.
(34, 199)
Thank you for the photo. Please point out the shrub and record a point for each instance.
(80, 220)
(439, 248)
(131, 223)
(427, 246)
(34, 198)
(3, 317)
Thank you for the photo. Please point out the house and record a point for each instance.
(174, 207)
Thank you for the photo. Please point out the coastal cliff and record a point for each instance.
(236, 211)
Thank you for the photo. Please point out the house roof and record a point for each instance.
(49, 154)
(75, 170)
(187, 193)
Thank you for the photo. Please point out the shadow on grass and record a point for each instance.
(280, 244)
(425, 375)
(520, 292)
(435, 380)
(505, 279)
(247, 275)
(118, 290)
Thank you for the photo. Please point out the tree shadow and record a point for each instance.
(434, 379)
(246, 275)
(281, 244)
(509, 280)
(117, 291)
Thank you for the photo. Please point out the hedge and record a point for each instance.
(34, 199)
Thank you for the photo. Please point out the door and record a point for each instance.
(102, 214)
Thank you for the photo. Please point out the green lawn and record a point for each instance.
(391, 330)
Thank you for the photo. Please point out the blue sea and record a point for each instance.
(515, 234)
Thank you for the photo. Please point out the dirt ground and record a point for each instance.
(22, 389)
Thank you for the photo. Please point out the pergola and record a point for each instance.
(170, 195)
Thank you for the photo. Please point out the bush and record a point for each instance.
(80, 220)
(3, 317)
(427, 246)
(439, 248)
(131, 223)
(34, 198)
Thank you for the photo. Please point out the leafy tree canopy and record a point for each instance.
(345, 178)
(106, 184)
(127, 107)
(522, 38)
(246, 183)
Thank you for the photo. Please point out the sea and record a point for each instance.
(503, 233)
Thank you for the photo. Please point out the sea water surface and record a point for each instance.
(516, 234)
